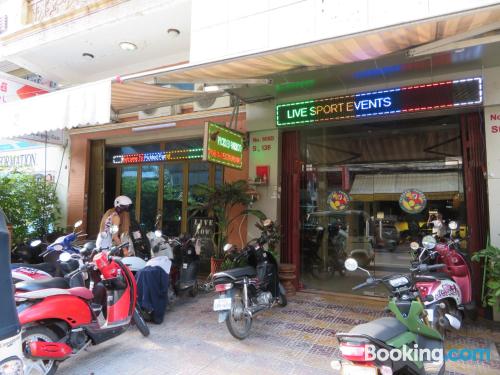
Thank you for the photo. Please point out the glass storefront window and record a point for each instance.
(149, 195)
(367, 192)
(198, 175)
(129, 185)
(219, 175)
(173, 186)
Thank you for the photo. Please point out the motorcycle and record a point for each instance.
(51, 267)
(451, 289)
(408, 329)
(60, 323)
(248, 290)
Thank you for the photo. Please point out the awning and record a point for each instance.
(342, 50)
(128, 95)
(88, 104)
(442, 185)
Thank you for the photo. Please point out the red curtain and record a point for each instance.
(290, 199)
(476, 199)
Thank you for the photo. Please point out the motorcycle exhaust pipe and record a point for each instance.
(48, 350)
(254, 310)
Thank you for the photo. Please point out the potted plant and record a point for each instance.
(491, 277)
(220, 201)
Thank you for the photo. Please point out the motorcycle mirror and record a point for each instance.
(429, 242)
(35, 243)
(78, 224)
(453, 225)
(414, 246)
(114, 229)
(158, 233)
(64, 257)
(351, 264)
(57, 247)
(429, 298)
(227, 247)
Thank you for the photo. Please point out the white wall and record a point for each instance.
(229, 28)
(492, 124)
(264, 150)
(56, 159)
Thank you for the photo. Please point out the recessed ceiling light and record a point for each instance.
(87, 56)
(173, 32)
(128, 46)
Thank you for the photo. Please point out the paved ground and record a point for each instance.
(298, 339)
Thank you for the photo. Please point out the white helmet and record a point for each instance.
(123, 201)
(134, 263)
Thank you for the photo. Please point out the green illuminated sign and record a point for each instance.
(223, 146)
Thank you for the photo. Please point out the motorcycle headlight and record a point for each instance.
(399, 281)
(11, 366)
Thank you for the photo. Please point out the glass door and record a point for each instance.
(173, 187)
(150, 178)
(128, 184)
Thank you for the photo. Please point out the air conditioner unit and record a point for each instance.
(159, 112)
(210, 101)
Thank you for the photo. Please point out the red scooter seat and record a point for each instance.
(81, 292)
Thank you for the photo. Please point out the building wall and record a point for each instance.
(53, 162)
(492, 133)
(228, 28)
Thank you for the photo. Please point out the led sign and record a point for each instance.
(223, 146)
(151, 157)
(425, 97)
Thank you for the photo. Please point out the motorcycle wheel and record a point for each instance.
(140, 322)
(238, 328)
(39, 333)
(193, 292)
(282, 301)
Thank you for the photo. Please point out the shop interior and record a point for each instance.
(159, 189)
(373, 165)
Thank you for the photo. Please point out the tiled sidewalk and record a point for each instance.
(298, 339)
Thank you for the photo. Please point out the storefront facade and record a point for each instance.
(360, 174)
(156, 168)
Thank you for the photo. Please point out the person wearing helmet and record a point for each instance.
(118, 215)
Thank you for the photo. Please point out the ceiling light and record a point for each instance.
(459, 50)
(173, 32)
(128, 46)
(87, 56)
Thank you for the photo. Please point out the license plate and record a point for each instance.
(222, 304)
(185, 266)
(358, 370)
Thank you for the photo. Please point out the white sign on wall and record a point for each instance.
(492, 132)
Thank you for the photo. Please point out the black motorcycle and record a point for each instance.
(185, 265)
(247, 290)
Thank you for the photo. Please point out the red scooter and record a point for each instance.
(59, 323)
(451, 288)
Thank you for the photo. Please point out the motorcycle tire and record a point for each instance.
(193, 292)
(140, 322)
(40, 333)
(231, 323)
(282, 300)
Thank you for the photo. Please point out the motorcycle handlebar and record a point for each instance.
(426, 268)
(368, 282)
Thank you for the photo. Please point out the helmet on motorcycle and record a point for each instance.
(123, 203)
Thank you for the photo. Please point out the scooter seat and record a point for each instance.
(32, 285)
(45, 267)
(43, 293)
(381, 329)
(236, 273)
(82, 293)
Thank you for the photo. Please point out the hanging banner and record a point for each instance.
(412, 201)
(338, 200)
(223, 146)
